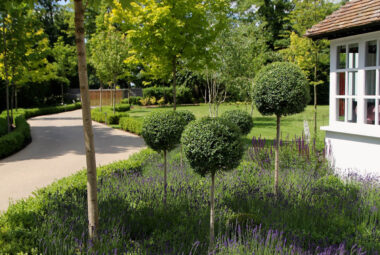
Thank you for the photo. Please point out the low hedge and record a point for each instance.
(17, 139)
(184, 94)
(112, 118)
(131, 125)
(19, 229)
(3, 126)
(20, 136)
(122, 107)
(132, 101)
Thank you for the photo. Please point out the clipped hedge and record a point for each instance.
(17, 139)
(131, 125)
(122, 107)
(112, 118)
(3, 126)
(241, 118)
(184, 94)
(19, 231)
(132, 101)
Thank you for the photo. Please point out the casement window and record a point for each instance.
(356, 70)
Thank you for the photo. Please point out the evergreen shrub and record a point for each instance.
(241, 118)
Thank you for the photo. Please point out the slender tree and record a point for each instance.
(92, 200)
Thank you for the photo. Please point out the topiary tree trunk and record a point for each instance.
(212, 230)
(165, 177)
(277, 160)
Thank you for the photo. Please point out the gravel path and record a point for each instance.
(57, 150)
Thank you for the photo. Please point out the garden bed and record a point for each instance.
(314, 212)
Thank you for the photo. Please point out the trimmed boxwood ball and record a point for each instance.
(162, 130)
(241, 118)
(211, 145)
(281, 89)
(186, 115)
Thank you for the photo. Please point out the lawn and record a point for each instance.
(264, 126)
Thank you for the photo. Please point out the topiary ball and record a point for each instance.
(186, 115)
(281, 89)
(241, 118)
(212, 144)
(162, 130)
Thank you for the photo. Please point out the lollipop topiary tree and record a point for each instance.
(211, 145)
(280, 89)
(241, 118)
(162, 132)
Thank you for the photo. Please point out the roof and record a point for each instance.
(355, 17)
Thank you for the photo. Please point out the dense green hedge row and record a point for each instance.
(20, 136)
(132, 100)
(131, 125)
(3, 126)
(20, 224)
(184, 94)
(17, 139)
(112, 118)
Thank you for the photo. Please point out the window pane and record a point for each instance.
(341, 57)
(352, 110)
(369, 108)
(353, 55)
(370, 82)
(341, 109)
(370, 53)
(352, 83)
(341, 84)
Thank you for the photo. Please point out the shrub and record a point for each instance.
(241, 118)
(132, 100)
(144, 101)
(131, 125)
(184, 95)
(161, 101)
(162, 132)
(112, 118)
(17, 139)
(211, 145)
(159, 92)
(3, 126)
(122, 107)
(280, 89)
(186, 115)
(152, 100)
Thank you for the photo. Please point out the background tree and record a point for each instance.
(162, 132)
(168, 35)
(280, 89)
(211, 145)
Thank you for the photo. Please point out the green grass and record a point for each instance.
(264, 126)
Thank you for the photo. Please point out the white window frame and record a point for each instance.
(360, 126)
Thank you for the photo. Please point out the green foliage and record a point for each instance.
(241, 118)
(159, 92)
(3, 126)
(131, 125)
(122, 107)
(212, 144)
(17, 139)
(281, 89)
(162, 130)
(132, 100)
(186, 115)
(112, 118)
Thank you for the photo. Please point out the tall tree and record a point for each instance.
(171, 34)
(92, 197)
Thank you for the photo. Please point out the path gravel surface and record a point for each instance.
(57, 150)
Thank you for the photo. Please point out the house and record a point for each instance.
(353, 133)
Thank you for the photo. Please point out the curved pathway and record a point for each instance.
(57, 150)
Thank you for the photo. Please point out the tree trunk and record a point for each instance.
(114, 94)
(212, 232)
(100, 99)
(6, 76)
(165, 178)
(315, 95)
(61, 93)
(16, 101)
(276, 164)
(12, 100)
(93, 213)
(174, 83)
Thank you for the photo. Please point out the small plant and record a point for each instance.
(161, 101)
(145, 101)
(162, 132)
(280, 89)
(241, 118)
(152, 100)
(211, 145)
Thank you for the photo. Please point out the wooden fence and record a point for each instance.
(106, 96)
